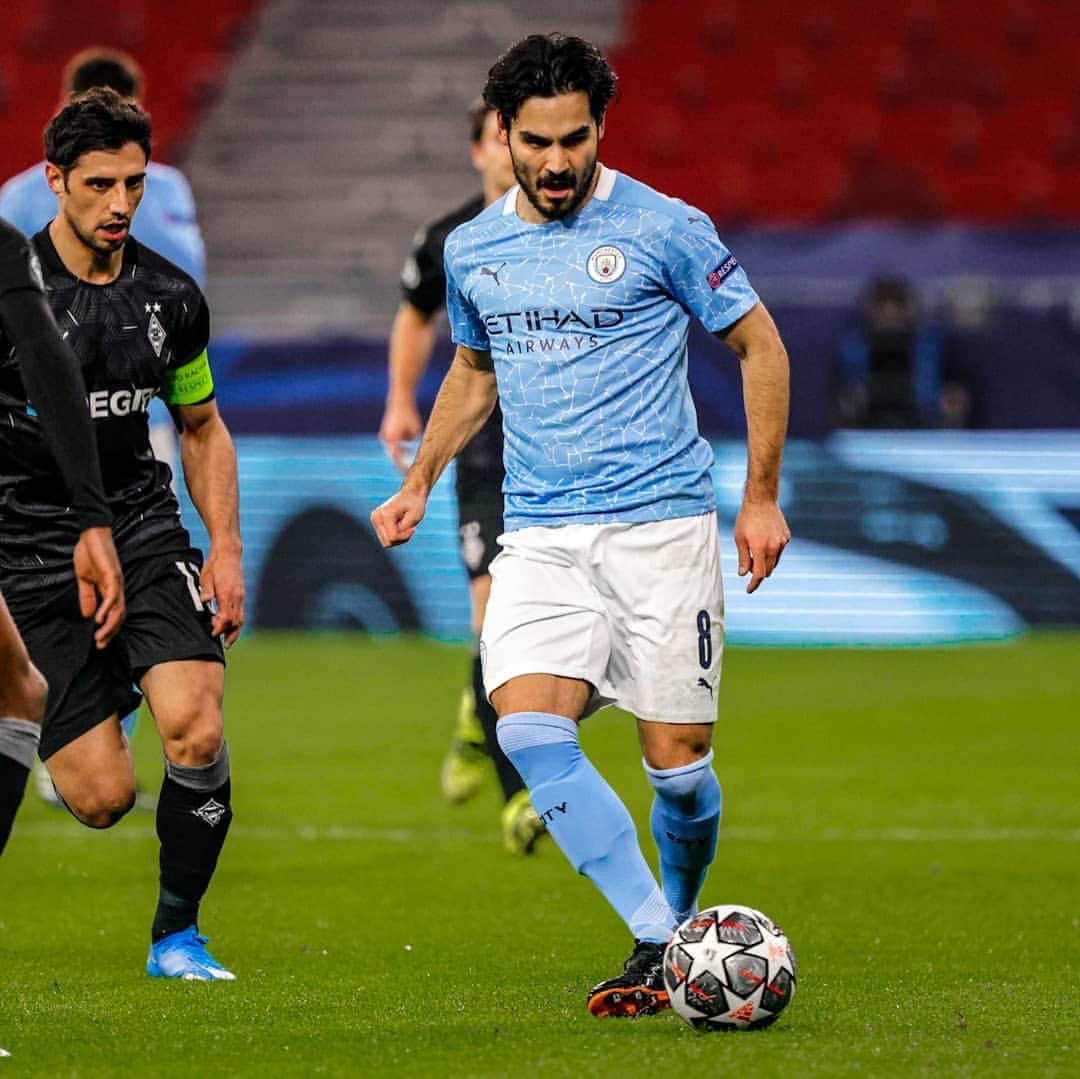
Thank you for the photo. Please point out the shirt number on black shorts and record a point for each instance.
(704, 639)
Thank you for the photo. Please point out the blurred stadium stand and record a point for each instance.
(937, 140)
(183, 46)
(780, 111)
(341, 131)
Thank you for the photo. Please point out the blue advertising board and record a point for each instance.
(899, 538)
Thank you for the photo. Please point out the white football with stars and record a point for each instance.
(729, 968)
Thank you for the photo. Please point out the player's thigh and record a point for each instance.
(185, 697)
(22, 687)
(172, 653)
(94, 773)
(548, 693)
(543, 616)
(479, 592)
(667, 613)
(85, 685)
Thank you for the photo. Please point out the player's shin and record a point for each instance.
(18, 745)
(685, 821)
(586, 818)
(509, 779)
(193, 816)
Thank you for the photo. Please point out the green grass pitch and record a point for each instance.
(911, 817)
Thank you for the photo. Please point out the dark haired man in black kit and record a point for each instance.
(33, 354)
(479, 478)
(139, 326)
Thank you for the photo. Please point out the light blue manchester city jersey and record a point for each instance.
(586, 320)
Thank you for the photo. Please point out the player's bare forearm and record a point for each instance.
(465, 401)
(412, 340)
(761, 533)
(209, 460)
(466, 398)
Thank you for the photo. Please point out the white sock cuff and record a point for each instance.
(19, 740)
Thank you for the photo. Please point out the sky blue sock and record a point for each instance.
(685, 821)
(586, 818)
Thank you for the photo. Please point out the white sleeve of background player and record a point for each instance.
(703, 275)
(466, 326)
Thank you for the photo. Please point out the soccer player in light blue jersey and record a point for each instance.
(570, 299)
(166, 224)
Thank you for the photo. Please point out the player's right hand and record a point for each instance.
(401, 424)
(396, 519)
(101, 583)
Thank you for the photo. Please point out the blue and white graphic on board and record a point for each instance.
(586, 319)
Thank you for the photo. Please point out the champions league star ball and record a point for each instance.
(729, 968)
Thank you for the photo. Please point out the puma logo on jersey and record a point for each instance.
(494, 274)
(106, 403)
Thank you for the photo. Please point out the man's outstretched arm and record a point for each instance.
(466, 399)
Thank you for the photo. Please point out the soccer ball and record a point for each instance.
(729, 968)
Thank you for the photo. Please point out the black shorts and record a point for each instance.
(478, 484)
(165, 621)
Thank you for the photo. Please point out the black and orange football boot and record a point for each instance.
(639, 990)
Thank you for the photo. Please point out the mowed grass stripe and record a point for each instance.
(909, 817)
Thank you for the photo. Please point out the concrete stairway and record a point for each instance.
(342, 129)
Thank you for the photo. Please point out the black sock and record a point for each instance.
(12, 784)
(193, 816)
(18, 746)
(507, 774)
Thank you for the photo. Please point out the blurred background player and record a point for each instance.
(895, 368)
(167, 220)
(47, 375)
(139, 327)
(607, 589)
(167, 224)
(479, 478)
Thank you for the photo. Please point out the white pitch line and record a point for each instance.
(355, 834)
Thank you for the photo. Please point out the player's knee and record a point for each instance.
(197, 744)
(676, 747)
(24, 694)
(103, 805)
(683, 786)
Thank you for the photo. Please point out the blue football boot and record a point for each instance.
(184, 955)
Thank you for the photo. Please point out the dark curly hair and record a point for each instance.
(99, 119)
(544, 65)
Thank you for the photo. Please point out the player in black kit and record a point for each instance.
(139, 326)
(479, 477)
(33, 355)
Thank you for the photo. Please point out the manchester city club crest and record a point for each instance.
(606, 264)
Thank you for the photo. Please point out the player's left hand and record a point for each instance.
(222, 580)
(101, 583)
(761, 534)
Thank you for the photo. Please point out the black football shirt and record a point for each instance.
(423, 284)
(142, 335)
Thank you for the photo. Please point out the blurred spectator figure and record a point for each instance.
(166, 220)
(895, 369)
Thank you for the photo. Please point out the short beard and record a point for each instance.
(563, 210)
(88, 241)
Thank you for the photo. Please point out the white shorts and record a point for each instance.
(635, 610)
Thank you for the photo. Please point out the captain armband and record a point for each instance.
(189, 385)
